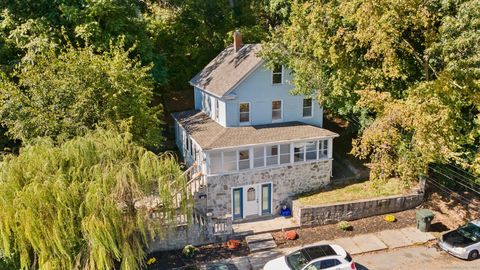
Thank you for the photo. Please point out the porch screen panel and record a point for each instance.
(258, 157)
(311, 150)
(215, 162)
(229, 161)
(284, 153)
(243, 159)
(299, 152)
(272, 155)
(323, 149)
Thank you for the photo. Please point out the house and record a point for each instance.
(255, 144)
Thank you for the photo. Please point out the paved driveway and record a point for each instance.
(415, 257)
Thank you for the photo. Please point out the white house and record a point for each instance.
(255, 144)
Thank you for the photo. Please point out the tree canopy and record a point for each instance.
(62, 94)
(76, 206)
(406, 73)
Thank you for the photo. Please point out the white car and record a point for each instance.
(463, 242)
(332, 257)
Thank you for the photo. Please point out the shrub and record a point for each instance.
(189, 251)
(151, 261)
(291, 235)
(344, 225)
(233, 244)
(390, 218)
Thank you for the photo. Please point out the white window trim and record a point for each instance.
(281, 111)
(282, 76)
(303, 108)
(249, 114)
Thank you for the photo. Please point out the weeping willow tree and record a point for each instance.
(82, 204)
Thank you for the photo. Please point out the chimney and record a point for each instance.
(237, 40)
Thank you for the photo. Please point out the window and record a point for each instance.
(276, 110)
(311, 150)
(216, 109)
(284, 153)
(244, 112)
(277, 74)
(258, 157)
(272, 155)
(323, 149)
(299, 152)
(229, 161)
(243, 159)
(325, 264)
(215, 162)
(251, 194)
(307, 107)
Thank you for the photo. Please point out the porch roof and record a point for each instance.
(211, 135)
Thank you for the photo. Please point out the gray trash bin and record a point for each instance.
(424, 219)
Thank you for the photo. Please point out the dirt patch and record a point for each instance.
(361, 226)
(208, 253)
(449, 211)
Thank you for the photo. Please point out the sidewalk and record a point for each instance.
(359, 244)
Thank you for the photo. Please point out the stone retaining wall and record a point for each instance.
(288, 180)
(333, 213)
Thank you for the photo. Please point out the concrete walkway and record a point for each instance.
(264, 226)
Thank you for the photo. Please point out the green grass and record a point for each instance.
(360, 191)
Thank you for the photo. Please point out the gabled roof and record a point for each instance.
(226, 70)
(211, 135)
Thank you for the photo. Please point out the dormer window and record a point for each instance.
(277, 74)
(244, 113)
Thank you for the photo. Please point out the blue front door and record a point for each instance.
(266, 199)
(237, 198)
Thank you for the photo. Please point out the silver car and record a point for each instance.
(463, 242)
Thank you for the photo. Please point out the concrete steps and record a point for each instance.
(260, 242)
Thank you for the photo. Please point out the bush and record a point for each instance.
(390, 218)
(344, 225)
(291, 235)
(189, 251)
(233, 244)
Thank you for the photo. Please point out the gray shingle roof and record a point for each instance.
(227, 69)
(211, 135)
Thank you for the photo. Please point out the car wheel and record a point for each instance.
(473, 255)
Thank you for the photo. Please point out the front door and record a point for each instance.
(251, 200)
(266, 199)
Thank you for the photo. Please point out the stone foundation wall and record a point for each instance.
(287, 181)
(333, 213)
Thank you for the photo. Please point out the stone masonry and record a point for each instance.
(287, 181)
(312, 215)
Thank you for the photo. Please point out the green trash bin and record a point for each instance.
(424, 219)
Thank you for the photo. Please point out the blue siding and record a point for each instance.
(258, 89)
(206, 103)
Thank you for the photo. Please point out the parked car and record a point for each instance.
(463, 242)
(314, 258)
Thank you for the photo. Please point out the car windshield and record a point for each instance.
(470, 231)
(297, 260)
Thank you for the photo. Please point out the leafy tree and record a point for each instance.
(84, 204)
(60, 95)
(407, 70)
(32, 26)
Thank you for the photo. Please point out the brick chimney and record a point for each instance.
(237, 40)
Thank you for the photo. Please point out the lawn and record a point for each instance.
(359, 191)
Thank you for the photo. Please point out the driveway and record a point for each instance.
(415, 257)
